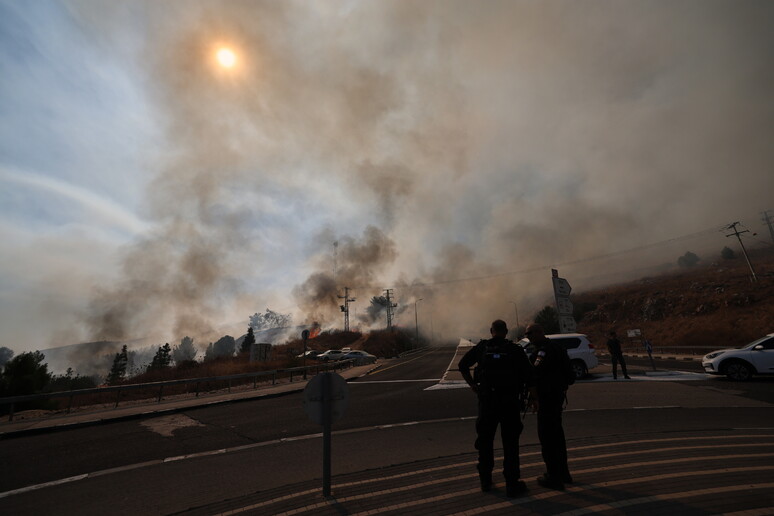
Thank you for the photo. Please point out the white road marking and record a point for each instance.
(425, 472)
(361, 382)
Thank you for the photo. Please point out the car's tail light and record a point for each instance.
(591, 346)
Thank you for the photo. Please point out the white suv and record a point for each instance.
(740, 364)
(579, 349)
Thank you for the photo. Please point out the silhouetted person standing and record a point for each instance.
(616, 355)
(553, 374)
(502, 374)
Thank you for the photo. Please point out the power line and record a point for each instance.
(564, 264)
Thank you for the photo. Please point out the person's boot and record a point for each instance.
(515, 488)
(486, 481)
(550, 482)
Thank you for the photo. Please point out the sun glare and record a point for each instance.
(226, 58)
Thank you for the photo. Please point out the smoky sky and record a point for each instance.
(434, 141)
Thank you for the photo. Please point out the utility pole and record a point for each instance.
(335, 252)
(769, 221)
(737, 234)
(345, 307)
(390, 306)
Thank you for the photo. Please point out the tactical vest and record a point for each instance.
(497, 368)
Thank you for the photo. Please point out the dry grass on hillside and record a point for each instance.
(714, 304)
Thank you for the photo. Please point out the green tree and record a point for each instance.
(270, 319)
(209, 353)
(248, 341)
(225, 346)
(6, 354)
(118, 370)
(162, 359)
(377, 307)
(185, 352)
(548, 318)
(727, 253)
(688, 260)
(26, 373)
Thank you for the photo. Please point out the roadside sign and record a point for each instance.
(633, 333)
(325, 400)
(563, 306)
(567, 324)
(315, 397)
(561, 287)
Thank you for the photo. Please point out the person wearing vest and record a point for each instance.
(502, 374)
(553, 373)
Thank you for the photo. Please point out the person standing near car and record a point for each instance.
(502, 374)
(553, 375)
(616, 355)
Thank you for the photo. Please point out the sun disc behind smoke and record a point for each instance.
(226, 58)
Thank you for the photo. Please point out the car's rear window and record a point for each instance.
(568, 342)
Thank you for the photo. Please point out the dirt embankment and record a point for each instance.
(714, 304)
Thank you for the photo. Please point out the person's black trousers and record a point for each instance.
(551, 434)
(505, 411)
(616, 359)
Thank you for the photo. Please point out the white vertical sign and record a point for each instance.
(562, 291)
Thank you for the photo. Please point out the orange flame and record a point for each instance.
(314, 331)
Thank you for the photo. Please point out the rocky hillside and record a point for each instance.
(713, 304)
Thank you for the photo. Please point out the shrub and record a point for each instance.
(688, 260)
(548, 318)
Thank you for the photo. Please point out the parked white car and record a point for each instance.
(360, 357)
(331, 354)
(579, 349)
(741, 364)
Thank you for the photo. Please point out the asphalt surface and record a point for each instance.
(668, 442)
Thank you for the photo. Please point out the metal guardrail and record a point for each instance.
(118, 389)
(679, 350)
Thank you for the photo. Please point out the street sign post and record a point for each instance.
(325, 400)
(564, 306)
(567, 324)
(304, 337)
(636, 333)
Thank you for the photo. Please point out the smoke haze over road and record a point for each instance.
(435, 141)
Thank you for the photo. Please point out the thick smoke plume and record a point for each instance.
(455, 151)
(358, 263)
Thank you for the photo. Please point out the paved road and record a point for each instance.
(649, 445)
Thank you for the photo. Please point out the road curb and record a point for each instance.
(145, 411)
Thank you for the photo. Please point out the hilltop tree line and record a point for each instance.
(28, 372)
(690, 259)
(181, 354)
